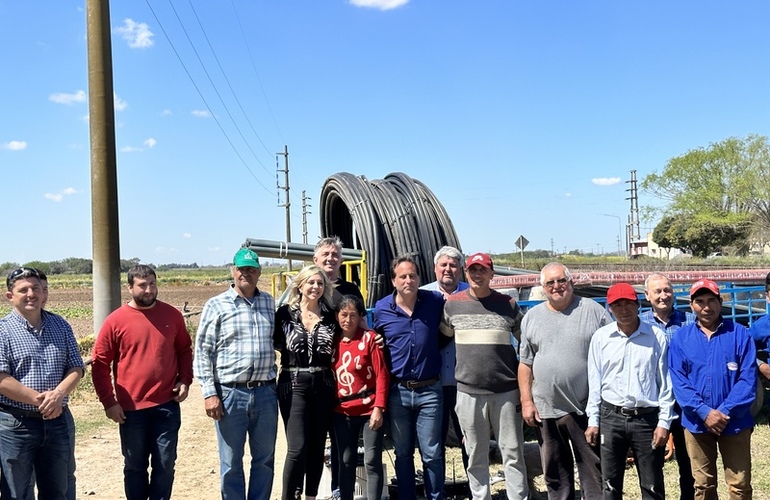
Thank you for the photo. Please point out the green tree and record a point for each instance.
(724, 187)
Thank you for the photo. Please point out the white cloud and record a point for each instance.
(200, 113)
(138, 35)
(214, 249)
(187, 235)
(568, 195)
(58, 197)
(166, 112)
(68, 99)
(165, 250)
(150, 143)
(120, 104)
(130, 149)
(379, 4)
(605, 181)
(14, 145)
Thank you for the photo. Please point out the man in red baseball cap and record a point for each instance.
(714, 376)
(630, 402)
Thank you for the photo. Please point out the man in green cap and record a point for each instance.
(235, 365)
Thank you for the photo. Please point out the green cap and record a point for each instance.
(246, 258)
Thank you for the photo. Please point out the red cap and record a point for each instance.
(481, 259)
(704, 285)
(621, 291)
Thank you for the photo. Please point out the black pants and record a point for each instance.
(306, 401)
(618, 434)
(347, 431)
(559, 438)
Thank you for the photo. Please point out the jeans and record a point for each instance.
(618, 434)
(71, 483)
(559, 438)
(415, 414)
(307, 411)
(149, 437)
(347, 430)
(502, 413)
(252, 412)
(449, 417)
(736, 457)
(32, 445)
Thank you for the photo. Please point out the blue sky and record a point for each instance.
(524, 118)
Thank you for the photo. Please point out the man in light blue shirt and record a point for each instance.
(448, 263)
(630, 401)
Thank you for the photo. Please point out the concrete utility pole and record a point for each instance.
(104, 177)
(305, 212)
(287, 200)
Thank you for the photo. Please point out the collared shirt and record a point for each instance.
(37, 359)
(234, 342)
(760, 331)
(676, 320)
(629, 371)
(449, 352)
(300, 348)
(717, 373)
(412, 341)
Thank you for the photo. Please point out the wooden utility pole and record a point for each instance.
(287, 200)
(104, 178)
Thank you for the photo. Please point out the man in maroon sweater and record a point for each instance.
(146, 347)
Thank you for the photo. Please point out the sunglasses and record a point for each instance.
(552, 283)
(21, 273)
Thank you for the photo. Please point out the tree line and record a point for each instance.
(716, 197)
(74, 265)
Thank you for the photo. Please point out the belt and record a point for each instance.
(416, 384)
(358, 395)
(251, 384)
(309, 369)
(20, 413)
(630, 412)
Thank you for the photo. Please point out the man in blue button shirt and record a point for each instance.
(409, 319)
(713, 371)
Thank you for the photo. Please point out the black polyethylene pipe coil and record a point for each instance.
(386, 218)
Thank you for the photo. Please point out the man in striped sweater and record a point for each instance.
(483, 322)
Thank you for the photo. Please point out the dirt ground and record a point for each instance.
(99, 460)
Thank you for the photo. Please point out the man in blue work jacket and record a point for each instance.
(713, 371)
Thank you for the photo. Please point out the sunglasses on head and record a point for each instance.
(21, 273)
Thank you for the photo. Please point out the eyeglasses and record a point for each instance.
(552, 283)
(21, 273)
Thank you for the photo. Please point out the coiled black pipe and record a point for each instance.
(386, 218)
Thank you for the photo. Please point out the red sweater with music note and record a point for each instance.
(359, 368)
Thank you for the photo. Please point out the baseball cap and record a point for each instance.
(246, 258)
(481, 259)
(704, 285)
(621, 291)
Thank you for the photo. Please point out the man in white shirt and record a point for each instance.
(630, 400)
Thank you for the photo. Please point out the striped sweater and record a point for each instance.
(482, 329)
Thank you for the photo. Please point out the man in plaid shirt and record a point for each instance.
(40, 365)
(235, 365)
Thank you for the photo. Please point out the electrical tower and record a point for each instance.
(287, 201)
(632, 230)
(305, 211)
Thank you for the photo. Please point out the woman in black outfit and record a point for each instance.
(305, 330)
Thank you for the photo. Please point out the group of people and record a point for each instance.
(441, 355)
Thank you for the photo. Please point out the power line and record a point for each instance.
(205, 102)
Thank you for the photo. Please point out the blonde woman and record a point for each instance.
(305, 331)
